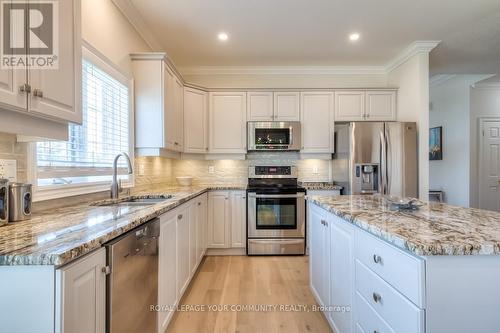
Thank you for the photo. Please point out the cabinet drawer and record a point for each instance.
(367, 320)
(401, 270)
(401, 314)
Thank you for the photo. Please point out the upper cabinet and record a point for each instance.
(317, 120)
(286, 106)
(50, 93)
(195, 121)
(365, 105)
(159, 105)
(227, 122)
(269, 106)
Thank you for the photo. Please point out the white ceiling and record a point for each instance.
(315, 32)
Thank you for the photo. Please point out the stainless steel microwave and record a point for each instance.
(273, 135)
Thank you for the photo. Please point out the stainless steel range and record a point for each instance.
(276, 212)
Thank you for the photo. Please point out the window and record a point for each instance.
(86, 158)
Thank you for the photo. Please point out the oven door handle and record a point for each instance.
(274, 196)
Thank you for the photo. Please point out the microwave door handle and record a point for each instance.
(291, 135)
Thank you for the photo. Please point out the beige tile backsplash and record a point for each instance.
(10, 149)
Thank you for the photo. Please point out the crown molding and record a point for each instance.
(283, 70)
(419, 46)
(137, 21)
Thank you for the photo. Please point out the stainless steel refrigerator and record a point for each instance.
(376, 157)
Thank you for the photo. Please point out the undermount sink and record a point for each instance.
(134, 201)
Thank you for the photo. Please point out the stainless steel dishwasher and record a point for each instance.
(132, 283)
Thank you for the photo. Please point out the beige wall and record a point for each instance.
(412, 78)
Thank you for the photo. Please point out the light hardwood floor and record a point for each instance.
(249, 280)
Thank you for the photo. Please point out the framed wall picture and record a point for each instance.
(436, 144)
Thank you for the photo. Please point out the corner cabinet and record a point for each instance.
(81, 295)
(46, 95)
(317, 118)
(195, 121)
(365, 105)
(159, 105)
(227, 122)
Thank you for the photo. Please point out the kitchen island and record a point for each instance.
(431, 270)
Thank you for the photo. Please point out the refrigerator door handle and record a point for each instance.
(387, 162)
(383, 163)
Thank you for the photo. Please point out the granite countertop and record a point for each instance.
(434, 229)
(320, 186)
(59, 236)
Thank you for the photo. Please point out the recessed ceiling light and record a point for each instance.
(354, 37)
(223, 36)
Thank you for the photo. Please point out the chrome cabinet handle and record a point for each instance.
(377, 259)
(25, 88)
(38, 93)
(106, 270)
(376, 297)
(179, 217)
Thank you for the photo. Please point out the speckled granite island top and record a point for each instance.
(435, 229)
(61, 235)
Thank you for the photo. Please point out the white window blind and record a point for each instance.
(87, 156)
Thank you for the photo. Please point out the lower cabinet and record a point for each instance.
(238, 219)
(167, 270)
(81, 295)
(201, 219)
(319, 255)
(183, 246)
(219, 217)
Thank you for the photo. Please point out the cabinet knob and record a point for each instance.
(199, 203)
(25, 88)
(106, 270)
(179, 217)
(38, 93)
(376, 297)
(377, 259)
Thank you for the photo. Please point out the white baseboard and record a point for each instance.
(235, 251)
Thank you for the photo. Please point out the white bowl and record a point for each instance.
(184, 181)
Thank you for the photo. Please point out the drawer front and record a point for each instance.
(401, 314)
(401, 270)
(367, 320)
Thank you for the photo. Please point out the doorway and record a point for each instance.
(489, 164)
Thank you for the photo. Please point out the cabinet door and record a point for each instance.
(167, 270)
(59, 90)
(341, 272)
(201, 216)
(169, 116)
(193, 237)
(227, 117)
(10, 82)
(178, 114)
(287, 106)
(83, 294)
(317, 122)
(260, 106)
(238, 219)
(218, 220)
(381, 105)
(195, 121)
(182, 241)
(349, 105)
(317, 253)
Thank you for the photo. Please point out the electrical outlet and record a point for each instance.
(8, 170)
(211, 169)
(315, 170)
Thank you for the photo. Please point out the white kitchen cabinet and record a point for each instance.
(380, 105)
(201, 216)
(319, 255)
(349, 105)
(365, 105)
(286, 106)
(81, 295)
(317, 117)
(219, 218)
(193, 236)
(159, 109)
(167, 270)
(238, 219)
(182, 241)
(195, 121)
(54, 94)
(260, 106)
(341, 272)
(227, 122)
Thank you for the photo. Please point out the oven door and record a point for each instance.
(276, 215)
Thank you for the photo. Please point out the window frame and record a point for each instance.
(50, 192)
